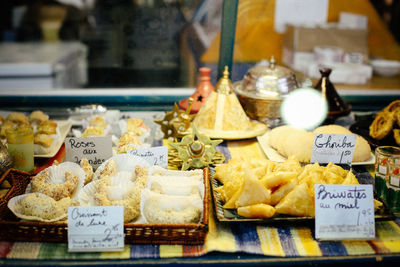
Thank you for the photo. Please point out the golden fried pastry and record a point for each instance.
(17, 117)
(397, 117)
(7, 125)
(43, 140)
(93, 131)
(47, 127)
(1, 120)
(88, 169)
(44, 207)
(42, 183)
(299, 202)
(396, 135)
(38, 116)
(256, 211)
(98, 122)
(393, 106)
(382, 125)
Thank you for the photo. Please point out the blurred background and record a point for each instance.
(162, 43)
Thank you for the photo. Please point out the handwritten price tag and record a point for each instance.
(344, 212)
(335, 148)
(96, 228)
(95, 149)
(154, 155)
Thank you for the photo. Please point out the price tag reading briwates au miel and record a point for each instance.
(96, 228)
(95, 149)
(344, 212)
(335, 148)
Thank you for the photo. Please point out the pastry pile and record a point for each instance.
(385, 121)
(262, 188)
(45, 130)
(50, 193)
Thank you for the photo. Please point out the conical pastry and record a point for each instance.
(222, 116)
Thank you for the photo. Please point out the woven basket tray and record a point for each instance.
(13, 229)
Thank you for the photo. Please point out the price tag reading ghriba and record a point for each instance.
(95, 149)
(96, 228)
(344, 212)
(335, 148)
(153, 155)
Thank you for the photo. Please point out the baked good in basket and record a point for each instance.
(39, 207)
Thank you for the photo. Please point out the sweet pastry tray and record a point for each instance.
(64, 127)
(14, 229)
(230, 215)
(274, 155)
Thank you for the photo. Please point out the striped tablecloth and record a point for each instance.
(280, 241)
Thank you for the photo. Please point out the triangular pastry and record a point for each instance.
(298, 202)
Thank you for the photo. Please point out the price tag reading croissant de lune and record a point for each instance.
(96, 228)
(335, 148)
(95, 149)
(344, 212)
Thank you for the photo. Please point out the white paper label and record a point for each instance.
(382, 169)
(394, 180)
(96, 228)
(344, 212)
(154, 155)
(95, 149)
(335, 148)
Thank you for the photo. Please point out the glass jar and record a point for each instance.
(393, 185)
(20, 146)
(387, 164)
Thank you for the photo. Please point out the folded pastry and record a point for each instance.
(299, 202)
(37, 117)
(93, 131)
(7, 125)
(47, 127)
(98, 122)
(43, 140)
(17, 117)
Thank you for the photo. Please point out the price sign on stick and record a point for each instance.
(96, 228)
(153, 155)
(95, 149)
(344, 212)
(335, 148)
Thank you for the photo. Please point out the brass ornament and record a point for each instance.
(176, 123)
(195, 151)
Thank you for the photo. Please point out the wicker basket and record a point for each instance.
(13, 229)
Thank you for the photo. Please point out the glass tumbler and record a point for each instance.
(20, 147)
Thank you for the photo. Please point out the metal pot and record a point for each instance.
(262, 90)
